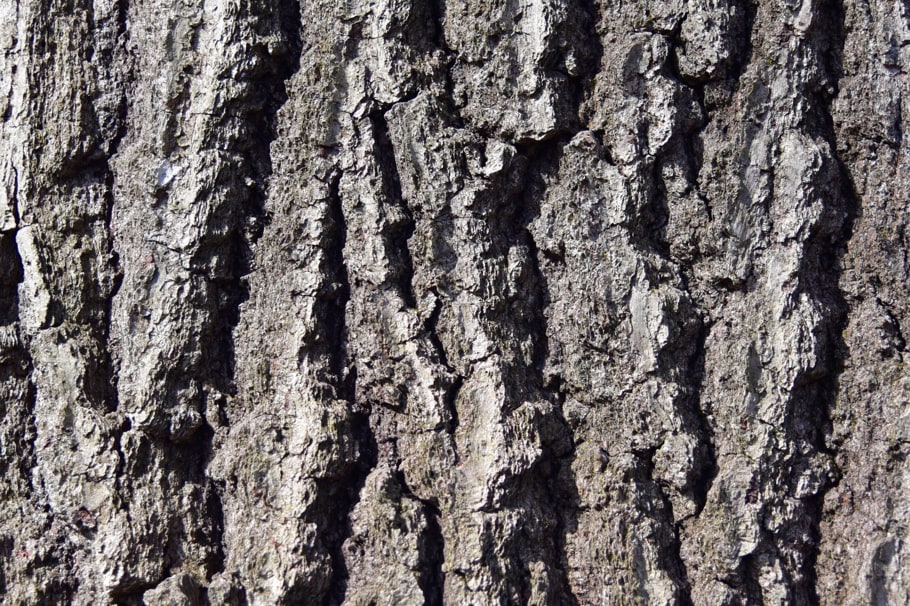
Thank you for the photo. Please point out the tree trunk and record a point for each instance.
(454, 302)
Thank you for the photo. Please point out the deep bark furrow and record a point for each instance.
(824, 259)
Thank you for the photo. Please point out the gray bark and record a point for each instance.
(454, 302)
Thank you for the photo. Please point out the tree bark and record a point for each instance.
(454, 302)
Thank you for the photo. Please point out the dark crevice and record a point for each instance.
(708, 469)
(119, 129)
(436, 10)
(213, 533)
(649, 227)
(650, 237)
(131, 595)
(189, 460)
(120, 471)
(538, 326)
(552, 484)
(431, 548)
(808, 588)
(337, 496)
(11, 275)
(539, 157)
(339, 294)
(399, 254)
(214, 506)
(336, 499)
(430, 326)
(451, 397)
(566, 505)
(225, 264)
(745, 36)
(670, 557)
(747, 573)
(18, 393)
(267, 95)
(454, 388)
(652, 230)
(28, 459)
(590, 48)
(121, 10)
(564, 502)
(820, 274)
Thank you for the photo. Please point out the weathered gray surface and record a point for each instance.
(461, 302)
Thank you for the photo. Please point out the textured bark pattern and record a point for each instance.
(454, 302)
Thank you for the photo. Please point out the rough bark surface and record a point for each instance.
(454, 302)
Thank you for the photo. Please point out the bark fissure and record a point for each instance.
(343, 375)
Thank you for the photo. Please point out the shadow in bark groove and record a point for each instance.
(587, 13)
(338, 499)
(431, 548)
(820, 272)
(696, 375)
(267, 95)
(558, 491)
(400, 255)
